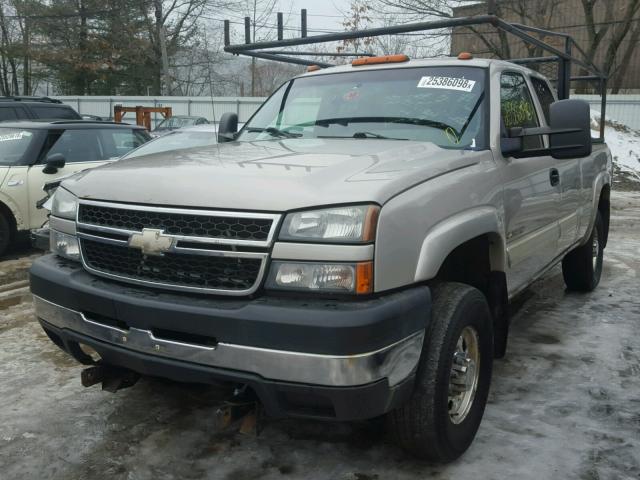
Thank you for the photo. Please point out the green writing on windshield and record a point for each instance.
(517, 113)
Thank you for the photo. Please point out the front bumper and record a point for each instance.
(40, 238)
(334, 356)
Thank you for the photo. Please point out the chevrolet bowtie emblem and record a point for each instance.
(151, 241)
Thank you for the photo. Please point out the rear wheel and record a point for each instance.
(582, 266)
(5, 234)
(442, 417)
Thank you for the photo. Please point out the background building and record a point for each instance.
(608, 33)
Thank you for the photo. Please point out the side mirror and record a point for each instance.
(53, 163)
(510, 146)
(228, 127)
(573, 115)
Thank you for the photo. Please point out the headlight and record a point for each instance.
(354, 278)
(351, 224)
(65, 204)
(65, 245)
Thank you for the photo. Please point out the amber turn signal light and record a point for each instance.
(364, 278)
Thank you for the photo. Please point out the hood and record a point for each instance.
(274, 175)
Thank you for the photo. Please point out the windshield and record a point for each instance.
(177, 140)
(177, 122)
(443, 105)
(95, 144)
(14, 143)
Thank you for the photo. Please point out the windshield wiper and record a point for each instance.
(275, 132)
(374, 135)
(362, 135)
(404, 120)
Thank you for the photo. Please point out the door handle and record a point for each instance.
(554, 177)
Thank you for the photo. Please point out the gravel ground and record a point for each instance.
(565, 403)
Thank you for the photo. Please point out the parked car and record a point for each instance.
(182, 139)
(178, 121)
(32, 153)
(33, 108)
(177, 141)
(349, 253)
(95, 118)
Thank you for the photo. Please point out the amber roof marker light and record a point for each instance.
(399, 58)
(465, 56)
(313, 68)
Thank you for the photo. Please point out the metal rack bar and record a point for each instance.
(564, 55)
(321, 54)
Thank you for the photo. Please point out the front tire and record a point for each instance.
(5, 234)
(441, 419)
(582, 266)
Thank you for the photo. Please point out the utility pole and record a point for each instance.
(253, 59)
(491, 7)
(26, 74)
(167, 90)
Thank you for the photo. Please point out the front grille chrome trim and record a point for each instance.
(274, 217)
(92, 232)
(110, 241)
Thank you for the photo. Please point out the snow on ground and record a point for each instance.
(624, 143)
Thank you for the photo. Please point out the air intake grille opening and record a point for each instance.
(207, 272)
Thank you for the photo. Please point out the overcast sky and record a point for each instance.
(322, 14)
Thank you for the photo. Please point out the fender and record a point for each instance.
(603, 178)
(444, 237)
(13, 208)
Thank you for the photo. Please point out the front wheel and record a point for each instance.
(441, 419)
(5, 234)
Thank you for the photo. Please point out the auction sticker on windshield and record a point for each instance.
(447, 83)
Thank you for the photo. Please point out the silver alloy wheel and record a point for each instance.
(595, 249)
(465, 372)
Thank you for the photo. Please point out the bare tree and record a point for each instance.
(356, 18)
(260, 13)
(14, 58)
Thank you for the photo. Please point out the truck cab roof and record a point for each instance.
(427, 62)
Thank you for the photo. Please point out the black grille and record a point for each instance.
(198, 271)
(192, 225)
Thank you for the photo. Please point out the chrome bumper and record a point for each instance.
(394, 362)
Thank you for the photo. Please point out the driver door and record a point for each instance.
(531, 189)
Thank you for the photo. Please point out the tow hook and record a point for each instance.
(112, 378)
(243, 409)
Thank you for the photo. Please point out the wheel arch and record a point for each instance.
(10, 215)
(601, 203)
(604, 208)
(456, 231)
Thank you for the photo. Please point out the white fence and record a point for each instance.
(209, 108)
(624, 108)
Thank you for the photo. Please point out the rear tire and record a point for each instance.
(5, 234)
(433, 424)
(582, 266)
